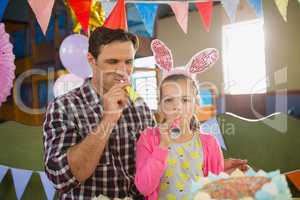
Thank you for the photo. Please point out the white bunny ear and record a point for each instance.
(202, 60)
(162, 55)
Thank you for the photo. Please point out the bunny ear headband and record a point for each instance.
(199, 63)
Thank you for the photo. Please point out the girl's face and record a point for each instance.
(178, 99)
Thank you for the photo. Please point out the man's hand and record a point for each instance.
(114, 101)
(232, 164)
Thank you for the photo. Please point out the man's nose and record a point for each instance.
(124, 69)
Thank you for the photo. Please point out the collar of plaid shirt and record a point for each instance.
(81, 109)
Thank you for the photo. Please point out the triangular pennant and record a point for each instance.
(282, 7)
(230, 7)
(82, 10)
(21, 178)
(108, 7)
(181, 11)
(42, 10)
(147, 13)
(117, 18)
(205, 11)
(211, 126)
(294, 177)
(48, 187)
(257, 5)
(3, 4)
(3, 170)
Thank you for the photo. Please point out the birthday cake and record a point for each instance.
(245, 186)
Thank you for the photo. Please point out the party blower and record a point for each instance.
(132, 94)
(175, 129)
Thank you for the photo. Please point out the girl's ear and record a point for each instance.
(162, 54)
(160, 115)
(197, 99)
(202, 60)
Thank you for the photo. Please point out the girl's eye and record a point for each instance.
(129, 62)
(186, 100)
(168, 100)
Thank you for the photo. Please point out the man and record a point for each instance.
(90, 132)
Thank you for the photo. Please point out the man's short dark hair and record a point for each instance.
(103, 36)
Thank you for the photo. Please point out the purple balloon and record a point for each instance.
(73, 55)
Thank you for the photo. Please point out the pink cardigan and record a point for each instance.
(151, 161)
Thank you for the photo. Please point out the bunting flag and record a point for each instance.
(48, 187)
(282, 7)
(117, 18)
(3, 5)
(82, 9)
(294, 177)
(205, 11)
(3, 170)
(230, 7)
(181, 11)
(147, 13)
(257, 5)
(21, 178)
(107, 7)
(211, 126)
(42, 10)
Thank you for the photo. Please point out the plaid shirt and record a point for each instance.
(69, 119)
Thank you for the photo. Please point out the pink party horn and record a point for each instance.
(175, 129)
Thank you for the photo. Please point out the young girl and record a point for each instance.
(166, 165)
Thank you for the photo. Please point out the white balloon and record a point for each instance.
(66, 83)
(73, 55)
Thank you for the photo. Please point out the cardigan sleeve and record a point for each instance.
(151, 162)
(213, 156)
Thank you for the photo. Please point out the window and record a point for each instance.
(205, 99)
(244, 58)
(144, 80)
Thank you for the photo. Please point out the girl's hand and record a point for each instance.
(165, 139)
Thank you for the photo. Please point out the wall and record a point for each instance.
(184, 46)
(282, 45)
(282, 40)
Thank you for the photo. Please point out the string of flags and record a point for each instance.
(116, 16)
(21, 179)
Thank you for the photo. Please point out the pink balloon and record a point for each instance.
(73, 55)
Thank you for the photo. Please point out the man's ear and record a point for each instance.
(91, 59)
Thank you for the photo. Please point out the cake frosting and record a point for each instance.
(250, 185)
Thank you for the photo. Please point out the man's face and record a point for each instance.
(113, 64)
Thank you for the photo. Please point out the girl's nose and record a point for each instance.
(177, 106)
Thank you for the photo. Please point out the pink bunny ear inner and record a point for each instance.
(203, 60)
(162, 55)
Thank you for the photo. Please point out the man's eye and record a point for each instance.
(112, 61)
